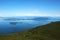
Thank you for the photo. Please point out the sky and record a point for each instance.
(10, 8)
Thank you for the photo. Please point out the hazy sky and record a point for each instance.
(30, 8)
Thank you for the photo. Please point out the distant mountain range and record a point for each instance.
(29, 18)
(25, 18)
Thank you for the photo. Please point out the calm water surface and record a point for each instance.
(9, 26)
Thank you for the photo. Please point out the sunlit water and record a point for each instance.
(7, 27)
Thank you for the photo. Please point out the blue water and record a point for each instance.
(6, 27)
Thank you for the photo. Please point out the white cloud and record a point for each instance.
(30, 13)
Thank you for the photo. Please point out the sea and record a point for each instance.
(14, 26)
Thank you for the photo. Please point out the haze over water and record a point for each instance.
(8, 25)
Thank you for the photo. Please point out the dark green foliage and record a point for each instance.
(46, 32)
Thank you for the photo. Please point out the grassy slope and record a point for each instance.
(46, 32)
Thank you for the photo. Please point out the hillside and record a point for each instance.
(46, 32)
